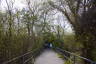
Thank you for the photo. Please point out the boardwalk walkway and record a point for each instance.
(49, 57)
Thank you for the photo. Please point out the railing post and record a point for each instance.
(23, 59)
(74, 59)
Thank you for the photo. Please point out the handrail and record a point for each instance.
(6, 62)
(56, 48)
(92, 62)
(28, 60)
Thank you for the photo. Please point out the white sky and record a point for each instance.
(63, 21)
(17, 4)
(20, 4)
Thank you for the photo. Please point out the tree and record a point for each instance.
(78, 13)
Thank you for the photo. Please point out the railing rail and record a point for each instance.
(21, 56)
(74, 55)
(28, 60)
(66, 54)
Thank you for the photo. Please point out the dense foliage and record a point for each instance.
(27, 29)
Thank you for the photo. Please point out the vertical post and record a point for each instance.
(74, 61)
(23, 60)
(33, 60)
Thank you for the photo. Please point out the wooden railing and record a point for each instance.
(29, 56)
(73, 57)
(25, 58)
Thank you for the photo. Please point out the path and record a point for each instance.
(49, 57)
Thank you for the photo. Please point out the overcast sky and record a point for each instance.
(20, 4)
(17, 4)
